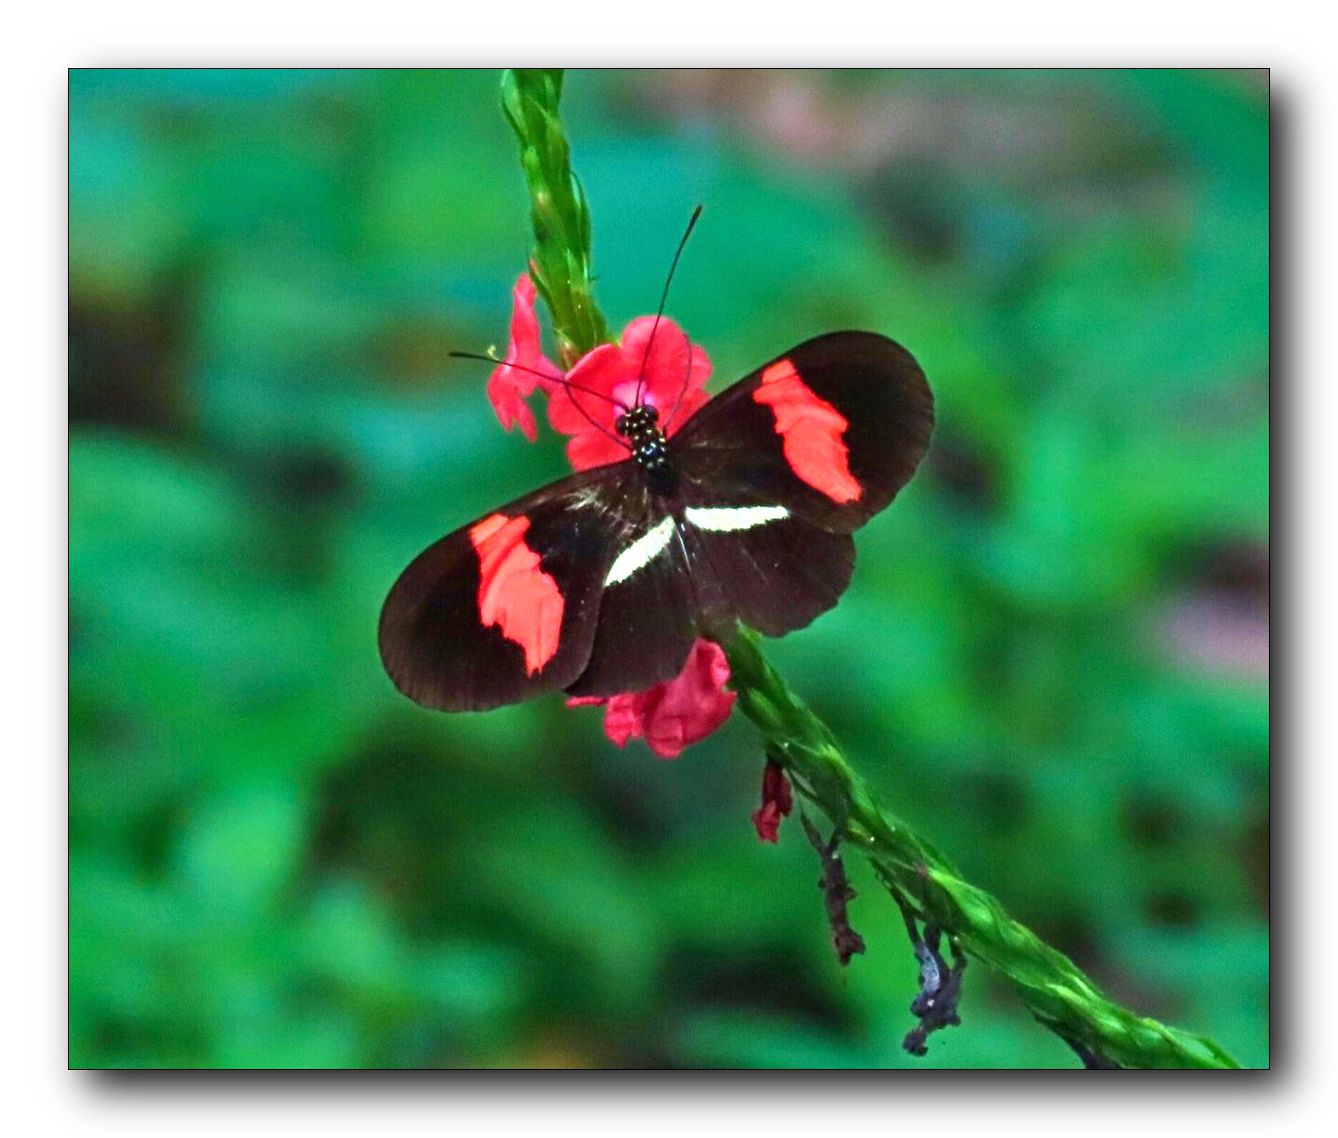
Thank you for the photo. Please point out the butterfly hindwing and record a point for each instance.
(506, 607)
(649, 613)
(768, 567)
(831, 430)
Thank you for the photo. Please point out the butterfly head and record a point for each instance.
(638, 423)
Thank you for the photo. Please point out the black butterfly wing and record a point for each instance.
(781, 467)
(775, 575)
(506, 608)
(649, 614)
(831, 430)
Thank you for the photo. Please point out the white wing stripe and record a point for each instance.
(715, 519)
(641, 552)
(723, 519)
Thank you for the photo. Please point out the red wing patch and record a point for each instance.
(810, 430)
(514, 593)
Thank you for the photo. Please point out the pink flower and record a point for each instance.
(672, 381)
(673, 714)
(777, 802)
(509, 387)
(670, 376)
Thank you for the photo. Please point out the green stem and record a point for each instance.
(560, 263)
(923, 881)
(1053, 988)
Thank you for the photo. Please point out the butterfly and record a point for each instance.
(601, 582)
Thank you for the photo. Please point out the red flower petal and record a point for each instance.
(674, 714)
(598, 370)
(675, 371)
(509, 387)
(591, 424)
(674, 375)
(593, 448)
(506, 393)
(692, 402)
(777, 802)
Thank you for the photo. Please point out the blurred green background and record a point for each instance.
(1053, 660)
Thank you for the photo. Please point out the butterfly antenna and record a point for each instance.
(641, 377)
(682, 391)
(542, 375)
(567, 386)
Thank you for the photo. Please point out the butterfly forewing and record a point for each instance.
(831, 430)
(506, 607)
